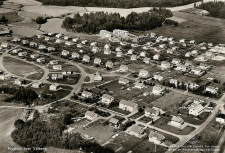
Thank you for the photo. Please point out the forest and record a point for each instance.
(19, 95)
(215, 9)
(36, 133)
(118, 3)
(94, 22)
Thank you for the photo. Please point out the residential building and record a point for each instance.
(54, 87)
(133, 57)
(165, 64)
(90, 115)
(123, 68)
(86, 59)
(97, 61)
(57, 67)
(20, 81)
(146, 60)
(220, 118)
(65, 53)
(136, 130)
(75, 55)
(98, 76)
(196, 110)
(37, 84)
(107, 99)
(152, 112)
(114, 122)
(158, 90)
(176, 121)
(123, 81)
(139, 85)
(212, 89)
(127, 105)
(158, 77)
(156, 137)
(57, 76)
(87, 94)
(144, 73)
(109, 64)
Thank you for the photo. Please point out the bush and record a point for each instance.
(40, 20)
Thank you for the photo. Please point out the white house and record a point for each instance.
(107, 46)
(176, 121)
(146, 60)
(136, 130)
(25, 42)
(181, 67)
(19, 81)
(33, 44)
(123, 68)
(97, 61)
(86, 94)
(158, 90)
(143, 54)
(75, 55)
(123, 81)
(158, 77)
(152, 112)
(165, 64)
(127, 105)
(156, 57)
(57, 67)
(37, 85)
(57, 76)
(197, 71)
(212, 89)
(65, 53)
(41, 60)
(156, 137)
(176, 61)
(86, 59)
(109, 64)
(90, 115)
(4, 45)
(69, 43)
(144, 73)
(51, 49)
(196, 110)
(95, 49)
(133, 57)
(130, 52)
(119, 49)
(22, 54)
(107, 99)
(107, 51)
(139, 85)
(42, 47)
(98, 76)
(220, 118)
(54, 87)
(53, 62)
(119, 54)
(79, 45)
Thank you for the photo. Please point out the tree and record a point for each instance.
(40, 20)
(67, 119)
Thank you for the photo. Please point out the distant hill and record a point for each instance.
(118, 3)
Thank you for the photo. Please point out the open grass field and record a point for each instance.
(53, 25)
(22, 68)
(7, 118)
(12, 17)
(200, 28)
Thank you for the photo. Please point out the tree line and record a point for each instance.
(20, 95)
(41, 134)
(118, 3)
(94, 22)
(215, 9)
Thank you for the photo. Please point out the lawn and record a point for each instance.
(170, 101)
(12, 17)
(22, 68)
(70, 81)
(200, 28)
(145, 119)
(163, 124)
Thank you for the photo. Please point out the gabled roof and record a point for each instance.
(158, 136)
(177, 119)
(136, 128)
(198, 108)
(221, 116)
(113, 120)
(127, 103)
(151, 110)
(107, 96)
(90, 113)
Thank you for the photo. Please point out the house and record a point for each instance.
(181, 67)
(162, 46)
(51, 49)
(69, 43)
(57, 67)
(59, 41)
(156, 57)
(158, 77)
(127, 105)
(123, 81)
(174, 81)
(182, 40)
(196, 110)
(188, 63)
(16, 51)
(153, 35)
(197, 71)
(57, 76)
(119, 54)
(146, 60)
(107, 47)
(212, 89)
(109, 64)
(107, 99)
(114, 122)
(5, 76)
(41, 60)
(107, 51)
(65, 53)
(79, 45)
(42, 47)
(22, 54)
(220, 118)
(204, 66)
(53, 62)
(175, 48)
(16, 39)
(4, 45)
(33, 44)
(39, 36)
(25, 42)
(75, 39)
(143, 73)
(123, 68)
(120, 33)
(130, 52)
(119, 49)
(95, 49)
(201, 58)
(152, 112)
(176, 61)
(20, 81)
(75, 55)
(176, 121)
(204, 13)
(105, 34)
(98, 76)
(169, 51)
(97, 61)
(165, 64)
(90, 115)
(86, 59)
(158, 90)
(84, 42)
(47, 38)
(60, 35)
(156, 137)
(133, 57)
(87, 94)
(93, 44)
(192, 42)
(67, 37)
(37, 85)
(136, 130)
(139, 85)
(143, 54)
(188, 54)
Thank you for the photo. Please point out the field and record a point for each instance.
(53, 25)
(7, 119)
(22, 68)
(170, 101)
(200, 28)
(12, 17)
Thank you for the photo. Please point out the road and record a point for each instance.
(183, 138)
